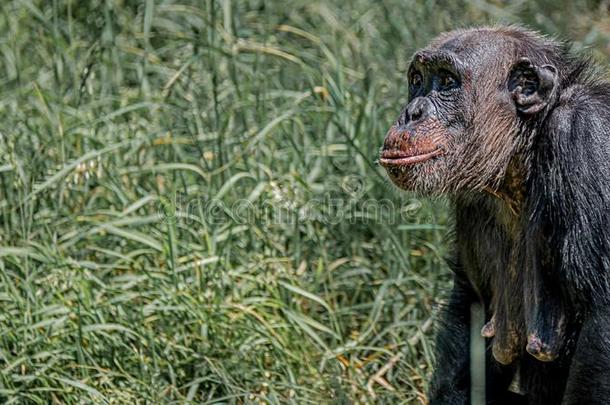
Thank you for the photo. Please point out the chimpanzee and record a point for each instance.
(515, 129)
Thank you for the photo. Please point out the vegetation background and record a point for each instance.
(190, 209)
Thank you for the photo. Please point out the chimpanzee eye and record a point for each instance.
(416, 79)
(446, 80)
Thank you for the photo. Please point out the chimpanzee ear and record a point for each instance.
(532, 87)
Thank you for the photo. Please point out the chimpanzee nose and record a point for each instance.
(418, 109)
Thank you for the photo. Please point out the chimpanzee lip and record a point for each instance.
(393, 158)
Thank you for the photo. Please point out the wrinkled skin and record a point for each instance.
(513, 127)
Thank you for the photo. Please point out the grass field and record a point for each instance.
(190, 210)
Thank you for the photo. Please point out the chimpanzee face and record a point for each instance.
(416, 151)
(460, 129)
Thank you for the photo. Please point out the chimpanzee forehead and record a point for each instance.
(474, 49)
(478, 45)
(466, 42)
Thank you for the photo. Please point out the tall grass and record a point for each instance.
(190, 209)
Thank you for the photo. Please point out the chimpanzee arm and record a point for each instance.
(569, 201)
(569, 195)
(451, 380)
(550, 211)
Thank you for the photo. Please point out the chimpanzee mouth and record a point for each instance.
(396, 158)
